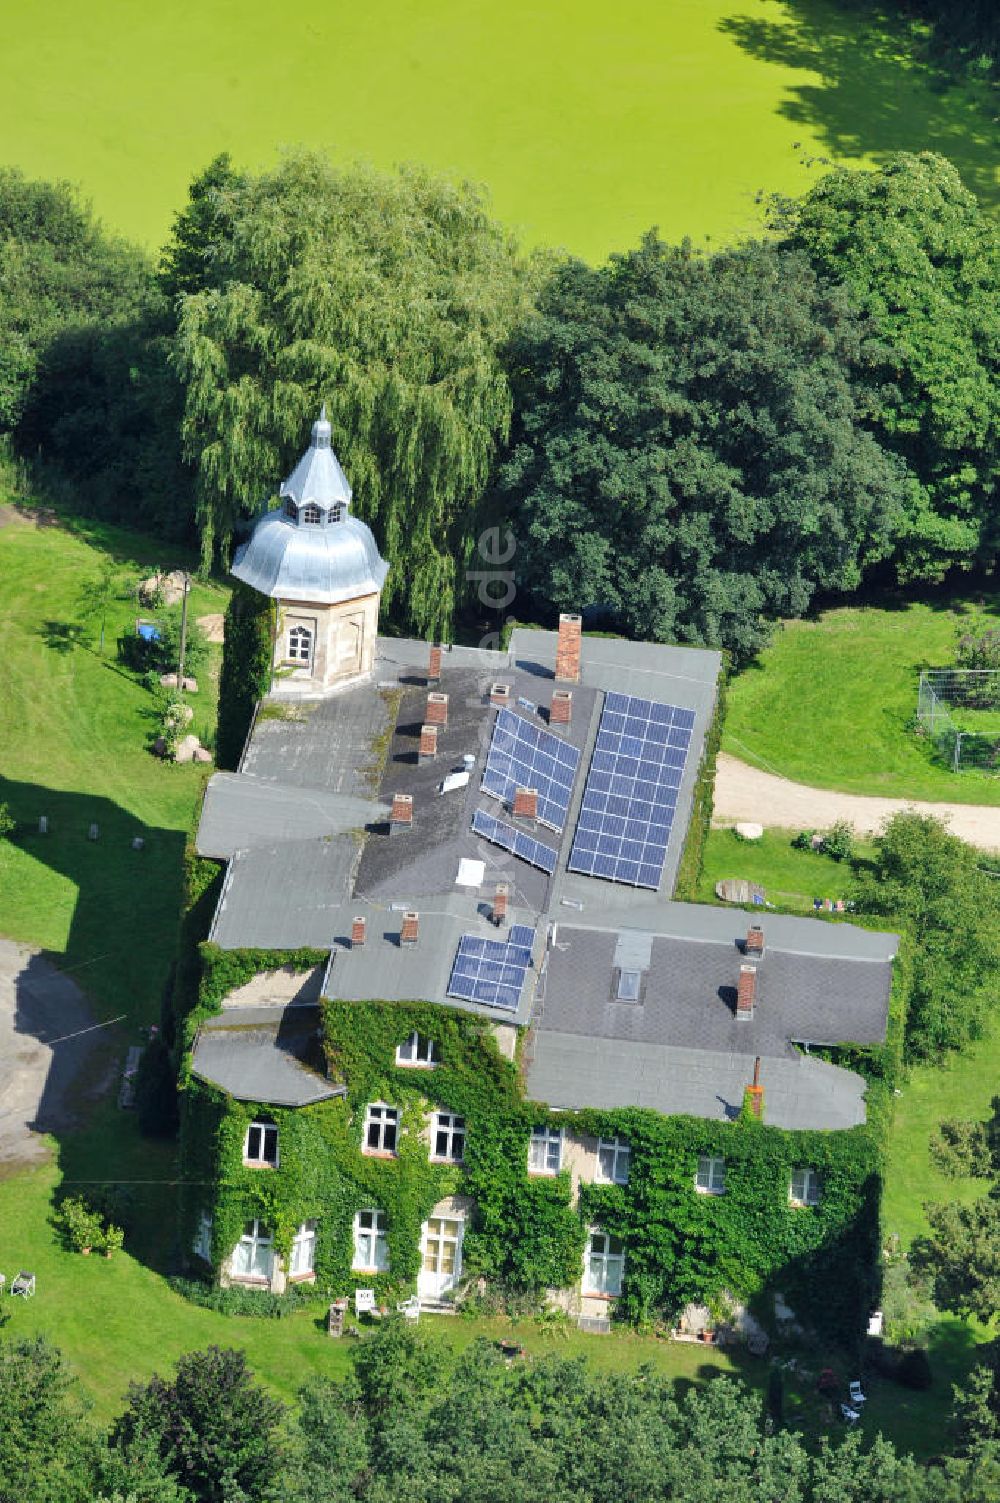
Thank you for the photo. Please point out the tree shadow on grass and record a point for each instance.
(878, 92)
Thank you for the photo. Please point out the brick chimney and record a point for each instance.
(746, 991)
(561, 707)
(753, 1096)
(437, 709)
(526, 803)
(753, 945)
(359, 931)
(500, 694)
(401, 817)
(409, 933)
(568, 648)
(500, 904)
(434, 666)
(428, 743)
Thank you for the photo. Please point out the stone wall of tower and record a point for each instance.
(342, 643)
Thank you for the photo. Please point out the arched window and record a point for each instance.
(311, 515)
(291, 511)
(300, 644)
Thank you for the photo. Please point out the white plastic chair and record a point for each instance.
(364, 1301)
(410, 1308)
(23, 1284)
(850, 1415)
(854, 1388)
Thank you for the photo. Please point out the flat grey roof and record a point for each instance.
(241, 812)
(570, 1071)
(271, 1057)
(284, 897)
(319, 743)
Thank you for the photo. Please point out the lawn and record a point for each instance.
(588, 123)
(791, 878)
(831, 702)
(74, 746)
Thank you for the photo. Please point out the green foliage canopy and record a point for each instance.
(245, 676)
(384, 295)
(688, 449)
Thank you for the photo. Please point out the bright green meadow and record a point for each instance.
(832, 701)
(588, 122)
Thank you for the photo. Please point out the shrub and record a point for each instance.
(246, 670)
(82, 1226)
(838, 841)
(960, 1149)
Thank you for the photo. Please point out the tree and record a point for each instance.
(245, 676)
(386, 296)
(921, 259)
(47, 1449)
(97, 593)
(928, 879)
(688, 450)
(961, 1256)
(213, 1427)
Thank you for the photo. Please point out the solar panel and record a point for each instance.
(492, 971)
(522, 755)
(631, 791)
(516, 841)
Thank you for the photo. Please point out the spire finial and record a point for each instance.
(321, 432)
(322, 413)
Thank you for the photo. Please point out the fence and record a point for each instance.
(950, 701)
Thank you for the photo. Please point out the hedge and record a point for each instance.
(246, 670)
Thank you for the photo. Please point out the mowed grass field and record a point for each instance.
(588, 122)
(832, 701)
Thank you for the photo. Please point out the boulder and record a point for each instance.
(186, 748)
(172, 585)
(149, 589)
(169, 681)
(202, 754)
(748, 831)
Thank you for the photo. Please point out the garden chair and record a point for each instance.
(854, 1389)
(23, 1284)
(364, 1301)
(410, 1308)
(850, 1415)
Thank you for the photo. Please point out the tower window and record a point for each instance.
(336, 513)
(311, 515)
(291, 511)
(300, 644)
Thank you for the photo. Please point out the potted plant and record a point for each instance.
(82, 1226)
(112, 1240)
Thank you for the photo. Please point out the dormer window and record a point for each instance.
(336, 514)
(291, 511)
(311, 515)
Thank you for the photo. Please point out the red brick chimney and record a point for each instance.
(561, 707)
(401, 817)
(409, 933)
(753, 946)
(568, 648)
(428, 743)
(500, 904)
(434, 666)
(500, 694)
(753, 1098)
(526, 803)
(437, 709)
(359, 931)
(746, 991)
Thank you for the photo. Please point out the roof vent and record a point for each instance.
(434, 665)
(428, 743)
(568, 648)
(500, 694)
(410, 931)
(753, 945)
(401, 817)
(437, 709)
(561, 707)
(746, 991)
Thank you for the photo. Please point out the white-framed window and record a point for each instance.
(710, 1176)
(303, 1258)
(613, 1157)
(261, 1145)
(371, 1245)
(300, 640)
(336, 513)
(604, 1264)
(448, 1138)
(291, 510)
(253, 1255)
(545, 1150)
(202, 1245)
(804, 1187)
(418, 1052)
(311, 514)
(381, 1128)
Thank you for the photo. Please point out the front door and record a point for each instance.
(441, 1260)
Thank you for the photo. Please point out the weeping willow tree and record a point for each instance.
(385, 295)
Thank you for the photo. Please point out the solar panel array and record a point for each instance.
(522, 755)
(631, 791)
(526, 846)
(492, 971)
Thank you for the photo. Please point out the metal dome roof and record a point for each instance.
(332, 560)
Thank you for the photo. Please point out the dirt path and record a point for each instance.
(744, 792)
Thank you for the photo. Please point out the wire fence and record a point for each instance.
(950, 702)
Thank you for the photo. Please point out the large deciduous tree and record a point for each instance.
(921, 260)
(384, 295)
(688, 450)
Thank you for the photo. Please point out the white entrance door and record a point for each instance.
(441, 1256)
